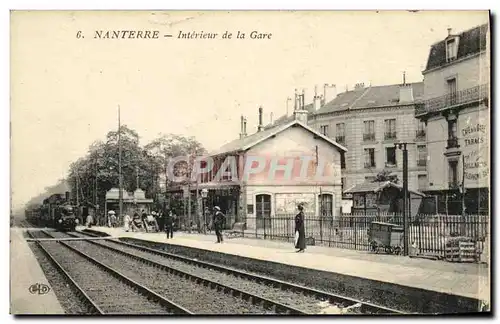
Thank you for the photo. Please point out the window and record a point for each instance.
(326, 205)
(340, 135)
(452, 174)
(323, 129)
(420, 129)
(369, 134)
(422, 182)
(369, 158)
(421, 155)
(370, 179)
(342, 160)
(390, 129)
(452, 134)
(451, 49)
(263, 210)
(390, 156)
(452, 91)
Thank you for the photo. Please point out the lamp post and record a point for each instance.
(204, 194)
(403, 147)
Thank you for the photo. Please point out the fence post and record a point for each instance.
(264, 221)
(321, 228)
(356, 232)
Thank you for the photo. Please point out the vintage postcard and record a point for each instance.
(250, 162)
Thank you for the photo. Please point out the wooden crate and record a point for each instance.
(464, 252)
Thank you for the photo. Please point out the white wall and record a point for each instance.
(469, 73)
(293, 142)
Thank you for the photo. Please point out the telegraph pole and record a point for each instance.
(120, 184)
(406, 216)
(462, 229)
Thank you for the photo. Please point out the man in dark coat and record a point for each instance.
(218, 221)
(169, 224)
(300, 230)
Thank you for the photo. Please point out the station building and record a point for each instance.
(313, 176)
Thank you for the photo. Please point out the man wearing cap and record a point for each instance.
(218, 221)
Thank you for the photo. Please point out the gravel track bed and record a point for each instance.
(108, 292)
(308, 304)
(195, 297)
(65, 292)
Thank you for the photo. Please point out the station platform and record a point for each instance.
(25, 272)
(461, 279)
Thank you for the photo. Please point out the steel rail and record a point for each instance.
(91, 306)
(366, 307)
(170, 305)
(246, 296)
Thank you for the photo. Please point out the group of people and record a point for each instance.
(156, 221)
(150, 222)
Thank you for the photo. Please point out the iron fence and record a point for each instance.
(428, 233)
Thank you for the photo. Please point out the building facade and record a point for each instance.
(297, 152)
(455, 110)
(369, 121)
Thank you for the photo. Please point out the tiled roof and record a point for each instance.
(251, 140)
(367, 97)
(470, 42)
(377, 186)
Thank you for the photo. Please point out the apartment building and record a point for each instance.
(368, 121)
(455, 111)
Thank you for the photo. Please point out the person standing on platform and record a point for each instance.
(300, 230)
(218, 221)
(169, 225)
(126, 222)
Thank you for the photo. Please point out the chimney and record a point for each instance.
(329, 92)
(271, 118)
(359, 86)
(241, 126)
(301, 114)
(316, 99)
(245, 127)
(449, 31)
(405, 91)
(296, 103)
(261, 126)
(302, 99)
(287, 110)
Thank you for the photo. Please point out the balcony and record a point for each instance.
(421, 162)
(368, 137)
(420, 134)
(390, 136)
(340, 139)
(465, 97)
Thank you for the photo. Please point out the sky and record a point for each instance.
(65, 91)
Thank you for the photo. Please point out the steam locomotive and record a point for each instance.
(56, 211)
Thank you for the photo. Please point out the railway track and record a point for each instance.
(200, 295)
(302, 300)
(103, 290)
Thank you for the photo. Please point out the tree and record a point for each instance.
(386, 175)
(98, 171)
(169, 146)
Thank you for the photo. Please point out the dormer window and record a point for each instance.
(451, 49)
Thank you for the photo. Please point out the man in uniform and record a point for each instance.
(169, 224)
(218, 221)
